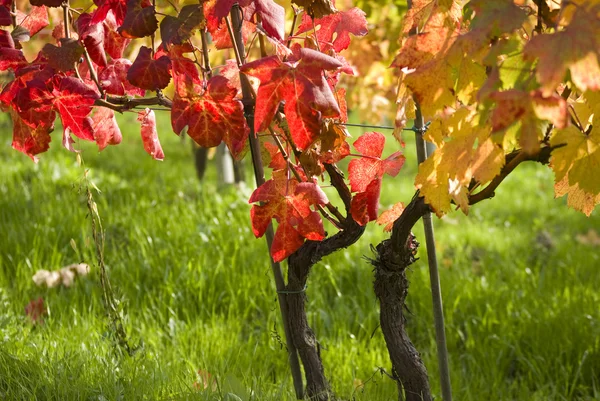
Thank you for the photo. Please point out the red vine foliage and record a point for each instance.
(454, 60)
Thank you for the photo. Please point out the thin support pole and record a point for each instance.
(259, 175)
(434, 277)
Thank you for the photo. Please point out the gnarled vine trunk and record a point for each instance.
(391, 288)
(305, 341)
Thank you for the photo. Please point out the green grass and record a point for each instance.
(523, 320)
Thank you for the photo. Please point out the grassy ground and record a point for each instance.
(520, 289)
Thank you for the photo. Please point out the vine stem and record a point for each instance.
(259, 175)
(434, 277)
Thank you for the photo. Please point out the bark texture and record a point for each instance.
(305, 341)
(391, 288)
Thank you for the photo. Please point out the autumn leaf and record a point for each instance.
(139, 21)
(73, 101)
(529, 109)
(388, 217)
(271, 14)
(289, 202)
(118, 9)
(335, 29)
(285, 81)
(12, 59)
(317, 8)
(106, 129)
(212, 115)
(177, 30)
(576, 163)
(5, 17)
(445, 176)
(362, 171)
(31, 141)
(150, 135)
(113, 79)
(35, 21)
(185, 72)
(148, 73)
(92, 36)
(576, 48)
(35, 311)
(47, 3)
(365, 205)
(492, 20)
(114, 43)
(63, 57)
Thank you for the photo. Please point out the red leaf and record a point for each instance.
(139, 21)
(185, 71)
(118, 8)
(30, 141)
(149, 74)
(364, 205)
(285, 81)
(114, 43)
(35, 310)
(177, 30)
(113, 79)
(365, 170)
(35, 21)
(212, 117)
(340, 25)
(11, 59)
(73, 101)
(106, 129)
(6, 40)
(149, 134)
(92, 36)
(47, 3)
(289, 203)
(63, 58)
(277, 161)
(5, 18)
(223, 40)
(272, 16)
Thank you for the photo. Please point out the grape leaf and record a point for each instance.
(286, 81)
(35, 21)
(31, 141)
(364, 170)
(6, 40)
(212, 116)
(277, 162)
(63, 58)
(365, 205)
(576, 163)
(150, 135)
(576, 48)
(73, 101)
(147, 73)
(11, 59)
(113, 79)
(139, 21)
(5, 17)
(388, 217)
(185, 72)
(177, 30)
(335, 29)
(289, 202)
(317, 8)
(114, 43)
(492, 20)
(529, 108)
(447, 173)
(118, 9)
(47, 3)
(106, 129)
(92, 36)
